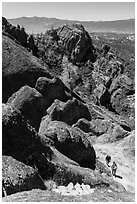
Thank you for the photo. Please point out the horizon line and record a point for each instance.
(70, 19)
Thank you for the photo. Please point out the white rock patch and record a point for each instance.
(74, 190)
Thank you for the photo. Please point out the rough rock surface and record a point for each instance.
(77, 42)
(19, 68)
(114, 94)
(72, 142)
(19, 139)
(30, 103)
(123, 82)
(16, 176)
(107, 128)
(52, 89)
(68, 112)
(99, 195)
(34, 151)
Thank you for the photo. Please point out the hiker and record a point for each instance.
(108, 160)
(114, 168)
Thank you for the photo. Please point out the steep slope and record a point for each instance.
(19, 67)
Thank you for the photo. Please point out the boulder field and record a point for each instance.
(49, 133)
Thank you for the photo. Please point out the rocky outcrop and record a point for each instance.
(71, 142)
(16, 177)
(120, 89)
(114, 94)
(30, 103)
(15, 32)
(19, 68)
(77, 43)
(123, 82)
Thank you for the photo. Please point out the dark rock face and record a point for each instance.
(68, 112)
(19, 68)
(72, 142)
(52, 89)
(19, 139)
(16, 176)
(83, 124)
(30, 103)
(77, 43)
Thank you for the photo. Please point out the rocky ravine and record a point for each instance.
(51, 135)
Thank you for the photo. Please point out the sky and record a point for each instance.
(90, 11)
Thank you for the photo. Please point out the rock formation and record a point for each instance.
(71, 142)
(77, 43)
(68, 112)
(19, 68)
(30, 103)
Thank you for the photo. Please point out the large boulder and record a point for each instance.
(70, 141)
(19, 68)
(52, 89)
(19, 139)
(30, 103)
(16, 176)
(77, 42)
(106, 129)
(69, 112)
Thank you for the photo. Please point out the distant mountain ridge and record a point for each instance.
(41, 24)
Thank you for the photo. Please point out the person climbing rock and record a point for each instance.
(108, 160)
(114, 168)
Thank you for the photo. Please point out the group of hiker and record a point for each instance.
(113, 166)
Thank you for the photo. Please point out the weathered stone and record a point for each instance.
(72, 142)
(16, 176)
(19, 68)
(52, 89)
(18, 137)
(30, 103)
(77, 43)
(68, 112)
